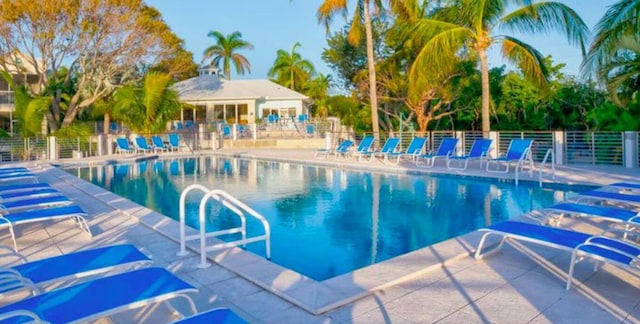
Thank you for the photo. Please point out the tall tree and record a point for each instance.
(104, 43)
(470, 24)
(225, 51)
(318, 90)
(291, 70)
(361, 20)
(149, 108)
(614, 54)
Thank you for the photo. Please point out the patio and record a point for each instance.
(520, 284)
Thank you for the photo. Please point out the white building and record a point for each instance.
(237, 101)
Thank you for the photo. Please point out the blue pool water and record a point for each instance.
(324, 221)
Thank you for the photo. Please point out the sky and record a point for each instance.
(271, 25)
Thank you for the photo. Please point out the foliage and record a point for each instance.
(148, 109)
(347, 60)
(318, 90)
(105, 43)
(224, 51)
(28, 112)
(468, 25)
(291, 70)
(350, 112)
(361, 21)
(613, 53)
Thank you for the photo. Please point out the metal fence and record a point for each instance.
(571, 148)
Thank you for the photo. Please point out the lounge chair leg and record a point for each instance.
(571, 267)
(479, 255)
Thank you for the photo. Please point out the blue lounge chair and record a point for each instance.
(123, 146)
(142, 145)
(20, 187)
(609, 197)
(363, 148)
(80, 264)
(35, 193)
(342, 147)
(553, 215)
(90, 300)
(581, 245)
(217, 315)
(158, 143)
(479, 151)
(389, 147)
(519, 152)
(447, 148)
(18, 177)
(174, 142)
(413, 150)
(53, 213)
(32, 203)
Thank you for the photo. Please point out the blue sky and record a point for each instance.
(271, 25)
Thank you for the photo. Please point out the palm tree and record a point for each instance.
(361, 19)
(318, 90)
(148, 109)
(290, 69)
(469, 25)
(225, 50)
(614, 54)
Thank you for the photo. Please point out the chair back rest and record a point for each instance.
(365, 144)
(302, 118)
(174, 140)
(416, 145)
(518, 148)
(226, 130)
(157, 141)
(123, 143)
(141, 142)
(344, 146)
(390, 145)
(310, 129)
(447, 146)
(480, 148)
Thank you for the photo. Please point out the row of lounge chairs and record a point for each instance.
(89, 284)
(141, 145)
(518, 152)
(618, 204)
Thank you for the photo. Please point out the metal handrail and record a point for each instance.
(235, 205)
(548, 155)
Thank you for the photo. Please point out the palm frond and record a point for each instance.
(357, 28)
(620, 20)
(31, 118)
(329, 9)
(547, 17)
(527, 58)
(439, 54)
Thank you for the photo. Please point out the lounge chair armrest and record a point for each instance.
(10, 252)
(22, 313)
(9, 282)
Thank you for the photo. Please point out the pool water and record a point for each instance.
(325, 221)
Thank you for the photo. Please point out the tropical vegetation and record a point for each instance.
(224, 52)
(410, 65)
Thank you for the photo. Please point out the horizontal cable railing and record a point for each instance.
(573, 147)
(594, 148)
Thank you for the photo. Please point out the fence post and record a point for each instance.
(630, 150)
(110, 149)
(461, 142)
(235, 132)
(559, 147)
(254, 131)
(328, 140)
(100, 146)
(495, 136)
(53, 148)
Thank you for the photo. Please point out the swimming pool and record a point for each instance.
(325, 221)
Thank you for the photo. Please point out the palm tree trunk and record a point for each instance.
(373, 93)
(484, 73)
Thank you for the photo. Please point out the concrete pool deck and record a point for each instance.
(522, 283)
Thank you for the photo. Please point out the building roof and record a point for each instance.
(211, 87)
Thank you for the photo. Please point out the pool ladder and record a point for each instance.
(233, 204)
